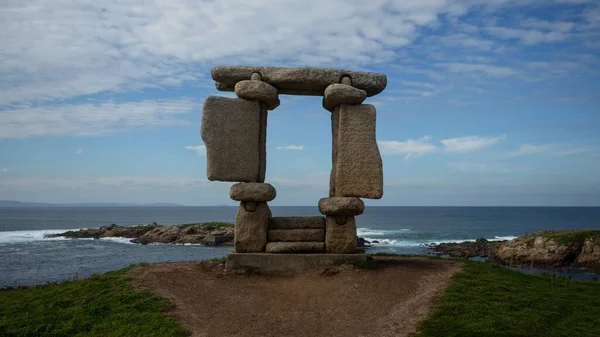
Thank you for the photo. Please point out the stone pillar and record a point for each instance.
(252, 219)
(340, 225)
(340, 209)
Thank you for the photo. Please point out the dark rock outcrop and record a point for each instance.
(478, 248)
(212, 234)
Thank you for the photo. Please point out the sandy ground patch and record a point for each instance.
(389, 300)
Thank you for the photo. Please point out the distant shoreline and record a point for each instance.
(23, 204)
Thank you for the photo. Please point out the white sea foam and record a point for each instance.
(502, 238)
(379, 232)
(392, 239)
(118, 240)
(30, 236)
(9, 237)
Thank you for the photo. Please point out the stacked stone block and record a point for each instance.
(296, 235)
(357, 168)
(234, 132)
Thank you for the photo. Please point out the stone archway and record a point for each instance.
(234, 132)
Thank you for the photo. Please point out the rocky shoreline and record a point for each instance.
(210, 234)
(568, 248)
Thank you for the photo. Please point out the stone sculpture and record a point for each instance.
(234, 132)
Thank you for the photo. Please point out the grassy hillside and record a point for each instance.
(102, 305)
(490, 300)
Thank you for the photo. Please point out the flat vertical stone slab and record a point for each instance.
(262, 144)
(335, 125)
(358, 164)
(251, 228)
(230, 131)
(340, 239)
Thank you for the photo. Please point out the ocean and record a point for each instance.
(27, 258)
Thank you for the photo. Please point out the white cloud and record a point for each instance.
(79, 151)
(527, 36)
(4, 170)
(409, 148)
(491, 70)
(550, 149)
(291, 147)
(529, 149)
(118, 181)
(199, 149)
(63, 49)
(469, 143)
(91, 119)
(483, 167)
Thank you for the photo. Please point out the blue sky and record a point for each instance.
(489, 102)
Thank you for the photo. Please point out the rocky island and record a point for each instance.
(575, 248)
(210, 233)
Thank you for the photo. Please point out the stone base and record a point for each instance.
(288, 263)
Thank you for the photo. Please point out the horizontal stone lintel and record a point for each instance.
(298, 81)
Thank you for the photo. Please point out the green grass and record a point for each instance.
(102, 305)
(567, 236)
(490, 300)
(209, 226)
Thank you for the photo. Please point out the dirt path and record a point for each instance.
(387, 301)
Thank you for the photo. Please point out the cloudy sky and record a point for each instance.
(489, 102)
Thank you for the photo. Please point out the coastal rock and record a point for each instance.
(260, 91)
(251, 228)
(257, 192)
(538, 250)
(337, 94)
(296, 235)
(146, 234)
(590, 252)
(576, 248)
(361, 242)
(340, 239)
(341, 206)
(478, 248)
(230, 131)
(359, 168)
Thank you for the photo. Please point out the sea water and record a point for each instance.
(27, 257)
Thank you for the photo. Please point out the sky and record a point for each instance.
(488, 102)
